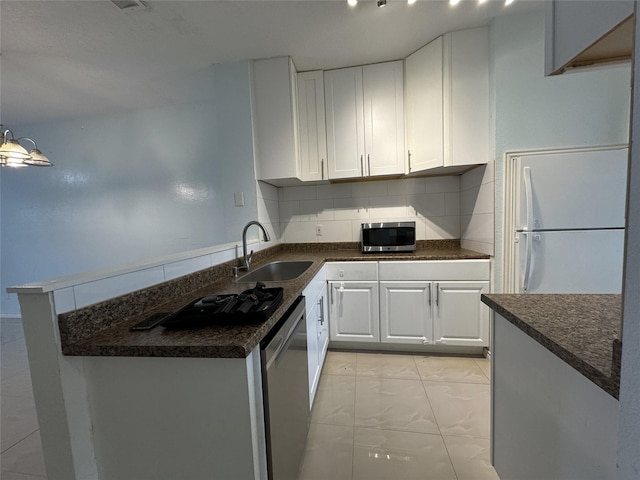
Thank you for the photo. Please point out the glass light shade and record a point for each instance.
(12, 149)
(38, 159)
(12, 162)
(12, 154)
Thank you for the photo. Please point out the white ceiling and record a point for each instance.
(63, 59)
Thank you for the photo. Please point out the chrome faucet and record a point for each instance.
(247, 258)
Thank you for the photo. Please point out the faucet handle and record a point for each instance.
(249, 257)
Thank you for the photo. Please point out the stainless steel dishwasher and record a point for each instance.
(285, 386)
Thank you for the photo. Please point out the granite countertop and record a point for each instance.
(102, 329)
(581, 329)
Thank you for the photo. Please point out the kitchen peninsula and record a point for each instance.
(555, 382)
(158, 405)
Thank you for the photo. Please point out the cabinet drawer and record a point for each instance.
(354, 271)
(439, 270)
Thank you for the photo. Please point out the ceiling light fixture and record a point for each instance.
(453, 3)
(131, 4)
(382, 3)
(508, 2)
(411, 2)
(12, 154)
(352, 3)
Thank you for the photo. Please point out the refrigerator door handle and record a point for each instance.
(528, 195)
(526, 275)
(529, 262)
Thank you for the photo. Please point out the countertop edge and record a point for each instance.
(610, 383)
(96, 342)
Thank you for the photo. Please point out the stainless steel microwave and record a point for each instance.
(389, 237)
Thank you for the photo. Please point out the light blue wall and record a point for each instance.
(585, 108)
(129, 187)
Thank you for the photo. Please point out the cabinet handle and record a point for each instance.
(369, 164)
(437, 294)
(321, 302)
(322, 168)
(409, 155)
(429, 295)
(361, 166)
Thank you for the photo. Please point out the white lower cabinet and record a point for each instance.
(317, 340)
(422, 303)
(354, 311)
(460, 318)
(440, 313)
(317, 329)
(405, 312)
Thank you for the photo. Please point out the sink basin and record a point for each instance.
(277, 272)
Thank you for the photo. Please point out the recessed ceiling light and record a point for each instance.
(382, 3)
(453, 3)
(352, 3)
(411, 2)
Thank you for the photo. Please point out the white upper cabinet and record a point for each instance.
(275, 122)
(466, 97)
(384, 118)
(424, 96)
(365, 120)
(313, 139)
(585, 33)
(447, 97)
(345, 122)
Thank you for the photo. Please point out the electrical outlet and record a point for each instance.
(318, 230)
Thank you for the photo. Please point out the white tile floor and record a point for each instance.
(376, 416)
(20, 448)
(384, 416)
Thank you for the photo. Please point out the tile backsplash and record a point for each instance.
(447, 207)
(337, 210)
(477, 209)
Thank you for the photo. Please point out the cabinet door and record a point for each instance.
(275, 120)
(424, 96)
(323, 329)
(313, 139)
(460, 317)
(586, 33)
(466, 97)
(313, 313)
(383, 118)
(354, 312)
(345, 122)
(405, 312)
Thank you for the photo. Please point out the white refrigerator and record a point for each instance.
(569, 221)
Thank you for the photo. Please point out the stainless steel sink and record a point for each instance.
(277, 272)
